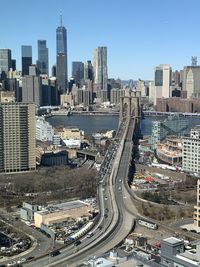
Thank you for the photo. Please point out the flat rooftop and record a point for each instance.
(76, 204)
(172, 240)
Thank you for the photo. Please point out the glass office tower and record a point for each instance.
(26, 59)
(43, 57)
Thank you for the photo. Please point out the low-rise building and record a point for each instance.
(136, 241)
(67, 100)
(173, 253)
(178, 104)
(171, 151)
(100, 262)
(44, 131)
(7, 96)
(114, 258)
(109, 134)
(56, 140)
(71, 133)
(71, 137)
(54, 158)
(61, 212)
(72, 143)
(27, 211)
(196, 215)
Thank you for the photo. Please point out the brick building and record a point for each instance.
(177, 104)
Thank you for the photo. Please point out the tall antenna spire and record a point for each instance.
(61, 18)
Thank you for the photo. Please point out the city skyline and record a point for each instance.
(139, 35)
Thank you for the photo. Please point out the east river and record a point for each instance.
(95, 123)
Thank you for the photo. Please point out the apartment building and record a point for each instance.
(17, 137)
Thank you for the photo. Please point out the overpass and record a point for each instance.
(87, 154)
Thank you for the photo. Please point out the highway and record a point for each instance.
(116, 202)
(116, 221)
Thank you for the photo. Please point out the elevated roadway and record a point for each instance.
(116, 220)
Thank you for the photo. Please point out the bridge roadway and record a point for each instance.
(116, 221)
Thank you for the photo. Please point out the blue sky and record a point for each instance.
(139, 34)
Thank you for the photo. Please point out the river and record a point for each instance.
(88, 123)
(95, 123)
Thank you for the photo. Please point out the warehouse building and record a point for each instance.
(61, 212)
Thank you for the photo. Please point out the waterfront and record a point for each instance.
(91, 124)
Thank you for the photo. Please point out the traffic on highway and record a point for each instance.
(115, 222)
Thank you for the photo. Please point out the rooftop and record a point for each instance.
(172, 240)
(187, 258)
(162, 148)
(100, 262)
(76, 204)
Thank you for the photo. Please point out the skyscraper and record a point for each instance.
(43, 57)
(100, 68)
(77, 71)
(17, 137)
(26, 59)
(53, 71)
(13, 64)
(191, 81)
(5, 61)
(88, 71)
(61, 57)
(163, 75)
(31, 89)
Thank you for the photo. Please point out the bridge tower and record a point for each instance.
(130, 105)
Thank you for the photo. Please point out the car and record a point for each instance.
(21, 260)
(77, 242)
(100, 227)
(90, 235)
(12, 263)
(30, 258)
(55, 253)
